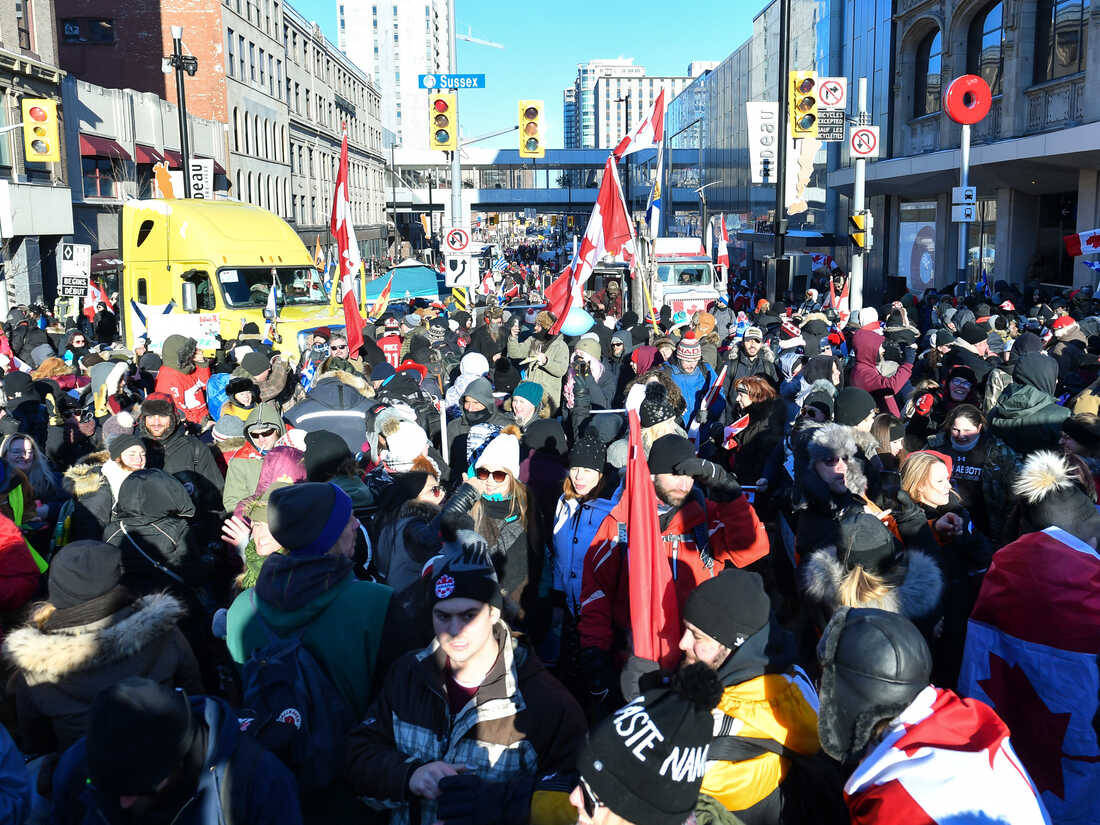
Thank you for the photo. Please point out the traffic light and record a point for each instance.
(861, 225)
(443, 121)
(803, 105)
(530, 129)
(41, 141)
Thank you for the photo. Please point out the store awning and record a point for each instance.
(218, 168)
(106, 260)
(147, 154)
(174, 158)
(93, 146)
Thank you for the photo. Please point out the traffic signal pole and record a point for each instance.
(181, 107)
(784, 91)
(855, 294)
(456, 162)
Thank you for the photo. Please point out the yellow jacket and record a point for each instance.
(780, 706)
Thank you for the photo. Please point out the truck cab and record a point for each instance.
(682, 276)
(205, 268)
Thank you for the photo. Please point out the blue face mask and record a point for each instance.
(965, 448)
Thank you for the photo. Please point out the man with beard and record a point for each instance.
(171, 449)
(752, 358)
(489, 338)
(706, 525)
(545, 356)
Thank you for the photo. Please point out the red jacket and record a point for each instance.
(736, 538)
(866, 376)
(18, 572)
(188, 390)
(391, 348)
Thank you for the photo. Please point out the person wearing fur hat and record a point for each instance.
(183, 377)
(89, 634)
(693, 377)
(914, 746)
(544, 356)
(506, 750)
(338, 402)
(242, 395)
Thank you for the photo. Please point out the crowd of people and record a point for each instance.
(396, 585)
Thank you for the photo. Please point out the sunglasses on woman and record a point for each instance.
(498, 475)
(591, 801)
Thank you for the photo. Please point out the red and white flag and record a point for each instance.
(1083, 243)
(649, 133)
(654, 605)
(608, 233)
(94, 298)
(841, 303)
(943, 760)
(822, 261)
(730, 433)
(1031, 652)
(724, 247)
(348, 250)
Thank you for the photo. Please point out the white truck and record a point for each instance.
(679, 273)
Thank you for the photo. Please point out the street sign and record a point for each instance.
(460, 270)
(456, 241)
(830, 125)
(74, 269)
(201, 178)
(863, 142)
(966, 213)
(832, 93)
(961, 195)
(452, 81)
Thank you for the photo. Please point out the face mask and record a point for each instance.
(965, 448)
(479, 417)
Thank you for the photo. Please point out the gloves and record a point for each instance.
(467, 799)
(701, 416)
(640, 675)
(595, 667)
(721, 485)
(581, 368)
(925, 403)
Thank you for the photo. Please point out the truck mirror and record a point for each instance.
(190, 297)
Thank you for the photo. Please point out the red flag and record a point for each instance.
(608, 233)
(724, 249)
(383, 300)
(649, 133)
(730, 433)
(95, 296)
(348, 249)
(654, 608)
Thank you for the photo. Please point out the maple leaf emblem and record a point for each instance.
(1037, 733)
(1093, 241)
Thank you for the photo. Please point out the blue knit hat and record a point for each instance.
(530, 392)
(307, 519)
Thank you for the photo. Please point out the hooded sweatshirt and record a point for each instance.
(243, 471)
(866, 374)
(1027, 417)
(181, 379)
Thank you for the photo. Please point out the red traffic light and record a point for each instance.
(440, 105)
(531, 113)
(37, 113)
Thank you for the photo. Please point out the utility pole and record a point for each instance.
(781, 172)
(964, 181)
(626, 161)
(855, 293)
(190, 65)
(456, 161)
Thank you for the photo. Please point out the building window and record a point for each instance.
(1061, 28)
(271, 75)
(99, 180)
(252, 61)
(240, 51)
(236, 130)
(231, 52)
(984, 54)
(263, 74)
(926, 99)
(89, 30)
(24, 23)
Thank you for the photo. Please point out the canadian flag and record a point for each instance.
(1083, 243)
(94, 298)
(723, 247)
(822, 261)
(730, 433)
(649, 133)
(608, 233)
(348, 249)
(841, 303)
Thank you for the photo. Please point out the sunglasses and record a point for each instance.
(498, 475)
(591, 801)
(263, 433)
(339, 347)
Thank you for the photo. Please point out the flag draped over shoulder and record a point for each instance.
(654, 608)
(608, 233)
(348, 250)
(649, 133)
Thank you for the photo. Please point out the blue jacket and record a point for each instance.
(693, 386)
(15, 782)
(335, 404)
(215, 394)
(575, 525)
(261, 790)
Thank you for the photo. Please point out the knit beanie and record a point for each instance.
(502, 453)
(729, 607)
(853, 405)
(307, 519)
(83, 571)
(588, 452)
(973, 333)
(864, 541)
(255, 364)
(380, 372)
(118, 424)
(405, 443)
(655, 407)
(138, 734)
(530, 392)
(867, 316)
(324, 452)
(473, 363)
(121, 443)
(646, 762)
(589, 344)
(463, 570)
(1085, 431)
(228, 426)
(790, 336)
(668, 451)
(688, 347)
(1051, 496)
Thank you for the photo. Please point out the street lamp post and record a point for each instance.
(702, 193)
(626, 161)
(190, 65)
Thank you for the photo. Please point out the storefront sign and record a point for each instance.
(763, 119)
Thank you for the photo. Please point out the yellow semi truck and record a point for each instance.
(205, 268)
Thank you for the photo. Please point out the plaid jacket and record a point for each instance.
(521, 727)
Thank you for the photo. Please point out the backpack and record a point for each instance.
(294, 709)
(813, 789)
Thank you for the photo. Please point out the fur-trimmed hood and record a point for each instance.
(87, 476)
(360, 385)
(916, 597)
(50, 657)
(824, 440)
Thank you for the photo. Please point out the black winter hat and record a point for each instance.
(82, 571)
(19, 387)
(505, 376)
(668, 451)
(463, 570)
(973, 333)
(588, 452)
(138, 734)
(325, 452)
(255, 364)
(307, 519)
(647, 761)
(656, 406)
(1051, 495)
(1085, 431)
(873, 665)
(864, 541)
(121, 443)
(853, 405)
(730, 607)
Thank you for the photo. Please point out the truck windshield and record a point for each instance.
(249, 286)
(685, 274)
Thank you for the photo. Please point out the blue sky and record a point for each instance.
(543, 46)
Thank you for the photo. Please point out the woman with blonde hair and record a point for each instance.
(47, 492)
